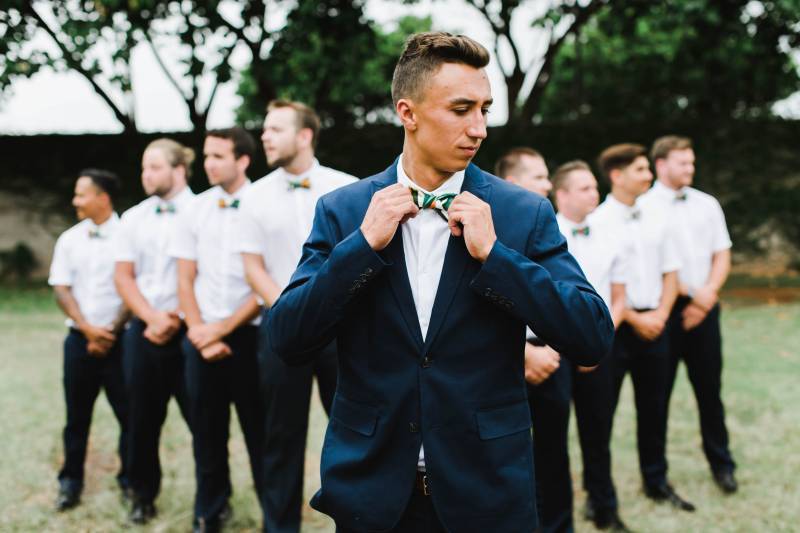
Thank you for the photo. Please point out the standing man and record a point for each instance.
(641, 345)
(525, 167)
(277, 215)
(603, 259)
(147, 280)
(221, 315)
(426, 275)
(82, 276)
(704, 247)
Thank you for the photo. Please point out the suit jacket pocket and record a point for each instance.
(502, 421)
(358, 417)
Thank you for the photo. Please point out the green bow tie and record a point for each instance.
(441, 203)
(95, 234)
(223, 204)
(304, 183)
(580, 231)
(680, 197)
(165, 208)
(635, 214)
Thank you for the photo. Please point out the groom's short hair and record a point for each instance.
(425, 52)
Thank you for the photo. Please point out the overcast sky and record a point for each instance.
(61, 103)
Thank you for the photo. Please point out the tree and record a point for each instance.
(331, 57)
(95, 38)
(525, 84)
(695, 59)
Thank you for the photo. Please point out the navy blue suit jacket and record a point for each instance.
(461, 390)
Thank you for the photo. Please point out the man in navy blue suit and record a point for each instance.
(430, 427)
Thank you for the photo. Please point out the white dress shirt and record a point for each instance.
(700, 229)
(276, 219)
(602, 254)
(652, 246)
(144, 238)
(208, 234)
(425, 239)
(83, 260)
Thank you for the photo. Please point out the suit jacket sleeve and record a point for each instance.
(546, 289)
(332, 271)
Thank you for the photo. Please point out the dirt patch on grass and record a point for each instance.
(761, 295)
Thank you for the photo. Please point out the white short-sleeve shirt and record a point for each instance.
(83, 260)
(651, 244)
(276, 218)
(699, 227)
(208, 233)
(600, 252)
(143, 239)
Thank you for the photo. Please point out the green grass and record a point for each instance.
(759, 387)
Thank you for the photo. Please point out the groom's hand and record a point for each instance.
(475, 219)
(388, 208)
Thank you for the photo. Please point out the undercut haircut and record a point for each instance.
(305, 117)
(664, 145)
(105, 180)
(560, 178)
(243, 143)
(424, 53)
(509, 163)
(619, 156)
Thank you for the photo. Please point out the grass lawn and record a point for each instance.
(762, 362)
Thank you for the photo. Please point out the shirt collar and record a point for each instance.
(222, 193)
(288, 176)
(567, 224)
(628, 211)
(668, 193)
(453, 184)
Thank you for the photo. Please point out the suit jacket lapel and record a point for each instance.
(398, 275)
(456, 259)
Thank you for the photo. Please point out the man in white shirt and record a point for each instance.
(221, 315)
(277, 214)
(147, 280)
(525, 167)
(704, 248)
(641, 345)
(554, 382)
(82, 277)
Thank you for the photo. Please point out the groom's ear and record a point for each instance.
(406, 112)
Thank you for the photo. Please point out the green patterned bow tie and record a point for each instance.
(580, 231)
(95, 234)
(223, 204)
(304, 183)
(165, 208)
(635, 214)
(441, 203)
(680, 197)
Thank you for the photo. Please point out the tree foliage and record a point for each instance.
(690, 59)
(331, 57)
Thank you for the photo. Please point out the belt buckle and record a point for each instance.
(425, 490)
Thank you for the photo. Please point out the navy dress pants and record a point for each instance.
(84, 376)
(286, 393)
(647, 362)
(550, 410)
(213, 387)
(701, 351)
(153, 374)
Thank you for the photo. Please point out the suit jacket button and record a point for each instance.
(426, 362)
(413, 427)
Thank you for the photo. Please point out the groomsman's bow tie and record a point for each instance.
(580, 231)
(166, 207)
(304, 183)
(95, 233)
(635, 214)
(681, 196)
(441, 203)
(223, 204)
